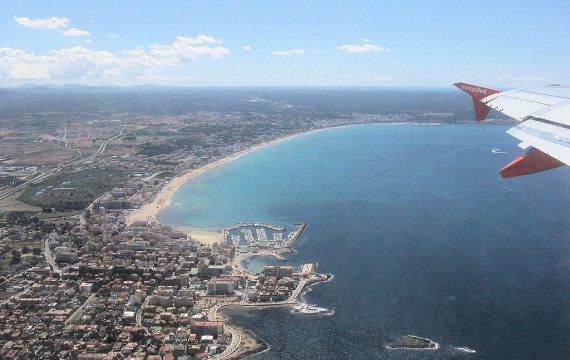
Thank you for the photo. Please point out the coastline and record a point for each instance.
(249, 343)
(150, 210)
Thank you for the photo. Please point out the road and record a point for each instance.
(139, 315)
(236, 336)
(78, 311)
(49, 258)
(49, 173)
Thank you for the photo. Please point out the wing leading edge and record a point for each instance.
(544, 113)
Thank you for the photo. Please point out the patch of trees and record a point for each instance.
(20, 218)
(16, 257)
(7, 180)
(65, 228)
(85, 187)
(156, 149)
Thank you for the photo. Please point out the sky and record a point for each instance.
(393, 43)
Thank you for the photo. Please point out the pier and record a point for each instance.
(265, 225)
(294, 236)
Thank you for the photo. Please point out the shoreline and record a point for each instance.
(249, 342)
(162, 199)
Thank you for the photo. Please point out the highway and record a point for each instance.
(49, 173)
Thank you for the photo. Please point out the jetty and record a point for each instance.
(294, 236)
(265, 225)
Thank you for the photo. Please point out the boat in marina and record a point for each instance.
(307, 309)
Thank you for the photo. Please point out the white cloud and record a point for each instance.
(52, 23)
(9, 52)
(247, 48)
(139, 51)
(79, 62)
(75, 32)
(71, 63)
(289, 52)
(201, 39)
(361, 48)
(183, 49)
(112, 35)
(365, 40)
(520, 78)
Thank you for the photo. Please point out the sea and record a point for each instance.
(420, 233)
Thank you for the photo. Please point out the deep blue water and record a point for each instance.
(420, 234)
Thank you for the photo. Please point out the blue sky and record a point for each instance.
(433, 43)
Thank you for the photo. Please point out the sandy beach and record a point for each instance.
(149, 211)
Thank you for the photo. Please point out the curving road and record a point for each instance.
(45, 175)
(236, 336)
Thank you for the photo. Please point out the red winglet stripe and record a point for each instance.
(530, 162)
(477, 93)
(481, 110)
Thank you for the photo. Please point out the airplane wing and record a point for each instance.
(544, 113)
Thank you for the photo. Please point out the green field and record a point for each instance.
(73, 190)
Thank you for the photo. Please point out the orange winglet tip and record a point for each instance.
(477, 93)
(532, 161)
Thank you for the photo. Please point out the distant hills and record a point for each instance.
(33, 87)
(79, 86)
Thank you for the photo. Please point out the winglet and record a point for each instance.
(532, 161)
(477, 93)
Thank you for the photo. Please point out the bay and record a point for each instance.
(422, 237)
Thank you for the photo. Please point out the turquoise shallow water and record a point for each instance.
(421, 235)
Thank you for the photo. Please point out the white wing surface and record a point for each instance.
(544, 113)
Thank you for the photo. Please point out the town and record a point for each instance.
(143, 291)
(80, 280)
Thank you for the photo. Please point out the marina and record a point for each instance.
(366, 244)
(256, 237)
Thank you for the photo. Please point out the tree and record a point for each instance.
(16, 257)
